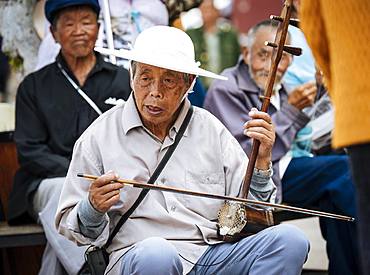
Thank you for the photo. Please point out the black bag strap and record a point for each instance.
(153, 178)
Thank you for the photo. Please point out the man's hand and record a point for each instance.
(260, 127)
(104, 192)
(303, 96)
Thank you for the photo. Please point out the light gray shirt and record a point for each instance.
(207, 159)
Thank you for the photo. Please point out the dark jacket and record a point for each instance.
(50, 116)
(4, 69)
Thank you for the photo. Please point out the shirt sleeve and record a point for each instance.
(31, 136)
(262, 187)
(235, 162)
(74, 195)
(91, 221)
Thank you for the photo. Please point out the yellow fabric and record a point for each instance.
(338, 33)
(178, 24)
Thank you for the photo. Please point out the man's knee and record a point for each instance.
(159, 251)
(48, 192)
(149, 249)
(291, 242)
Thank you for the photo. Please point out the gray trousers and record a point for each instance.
(278, 250)
(61, 256)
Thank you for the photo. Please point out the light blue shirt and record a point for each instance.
(302, 69)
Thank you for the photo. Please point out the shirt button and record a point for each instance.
(163, 180)
(173, 208)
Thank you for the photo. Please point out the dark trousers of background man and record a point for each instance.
(325, 183)
(360, 165)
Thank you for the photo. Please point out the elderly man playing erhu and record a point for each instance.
(171, 233)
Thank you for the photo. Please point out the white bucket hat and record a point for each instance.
(164, 47)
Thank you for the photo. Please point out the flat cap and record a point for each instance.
(53, 6)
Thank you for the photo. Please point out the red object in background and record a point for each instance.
(247, 13)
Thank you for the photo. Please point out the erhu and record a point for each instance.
(235, 219)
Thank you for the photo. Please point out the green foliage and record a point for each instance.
(15, 62)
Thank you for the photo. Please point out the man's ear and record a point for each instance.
(191, 78)
(131, 83)
(131, 78)
(52, 31)
(245, 52)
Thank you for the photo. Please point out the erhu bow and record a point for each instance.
(164, 188)
(237, 219)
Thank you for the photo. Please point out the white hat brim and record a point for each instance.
(133, 56)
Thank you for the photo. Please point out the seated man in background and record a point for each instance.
(53, 107)
(176, 232)
(323, 182)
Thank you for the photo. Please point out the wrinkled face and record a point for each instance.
(258, 58)
(158, 94)
(76, 31)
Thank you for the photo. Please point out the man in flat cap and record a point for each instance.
(54, 106)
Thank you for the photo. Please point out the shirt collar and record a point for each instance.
(99, 65)
(131, 118)
(180, 119)
(130, 115)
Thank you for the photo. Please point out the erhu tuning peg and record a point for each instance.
(293, 50)
(294, 22)
(289, 49)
